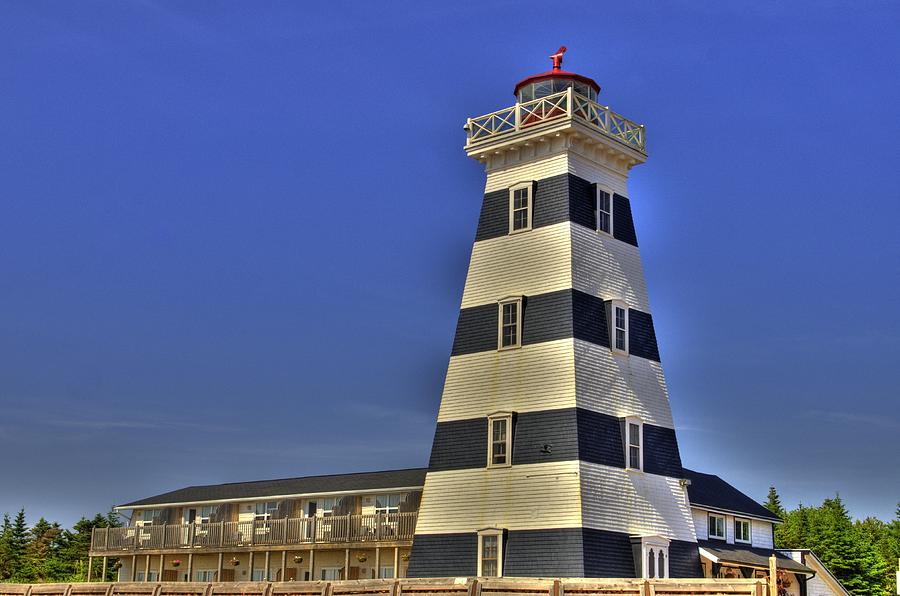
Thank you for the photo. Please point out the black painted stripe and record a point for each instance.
(560, 198)
(564, 434)
(558, 552)
(548, 317)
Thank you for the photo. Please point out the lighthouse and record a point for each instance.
(555, 453)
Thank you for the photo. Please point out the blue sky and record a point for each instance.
(234, 236)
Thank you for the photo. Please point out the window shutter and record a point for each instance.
(623, 426)
(610, 322)
(593, 204)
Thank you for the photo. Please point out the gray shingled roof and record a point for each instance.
(288, 486)
(752, 557)
(713, 492)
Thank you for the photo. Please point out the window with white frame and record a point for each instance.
(619, 326)
(742, 530)
(150, 517)
(603, 211)
(520, 203)
(332, 573)
(499, 440)
(634, 441)
(510, 330)
(265, 511)
(389, 503)
(204, 514)
(490, 553)
(387, 572)
(205, 575)
(717, 526)
(655, 557)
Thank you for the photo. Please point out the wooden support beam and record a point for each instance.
(266, 570)
(252, 562)
(346, 563)
(162, 566)
(312, 565)
(90, 567)
(219, 568)
(283, 564)
(377, 562)
(190, 573)
(773, 576)
(396, 562)
(147, 569)
(133, 567)
(103, 569)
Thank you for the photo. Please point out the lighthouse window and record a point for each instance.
(634, 441)
(510, 324)
(499, 440)
(520, 208)
(490, 550)
(604, 211)
(618, 319)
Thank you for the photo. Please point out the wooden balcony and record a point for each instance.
(386, 529)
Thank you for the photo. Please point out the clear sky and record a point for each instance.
(234, 235)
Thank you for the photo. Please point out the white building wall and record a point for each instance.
(516, 498)
(535, 377)
(701, 523)
(608, 268)
(636, 503)
(761, 533)
(523, 264)
(620, 386)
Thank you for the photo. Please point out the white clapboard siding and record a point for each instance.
(761, 534)
(535, 377)
(609, 268)
(635, 503)
(530, 496)
(614, 179)
(523, 264)
(701, 523)
(537, 169)
(621, 385)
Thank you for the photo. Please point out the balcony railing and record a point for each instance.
(559, 106)
(390, 527)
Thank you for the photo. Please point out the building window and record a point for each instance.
(742, 530)
(634, 439)
(265, 511)
(520, 207)
(603, 211)
(387, 503)
(510, 331)
(499, 440)
(717, 526)
(655, 550)
(205, 575)
(150, 517)
(490, 553)
(387, 572)
(332, 573)
(205, 514)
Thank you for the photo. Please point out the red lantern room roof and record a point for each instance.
(556, 73)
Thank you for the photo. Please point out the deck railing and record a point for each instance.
(559, 106)
(387, 527)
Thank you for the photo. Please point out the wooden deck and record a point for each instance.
(408, 587)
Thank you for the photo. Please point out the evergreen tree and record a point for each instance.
(17, 543)
(773, 503)
(6, 562)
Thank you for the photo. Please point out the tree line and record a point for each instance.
(862, 554)
(47, 552)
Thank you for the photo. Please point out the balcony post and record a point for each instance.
(346, 564)
(266, 570)
(396, 562)
(251, 565)
(312, 565)
(283, 563)
(377, 563)
(569, 101)
(147, 568)
(162, 565)
(190, 573)
(90, 567)
(191, 534)
(106, 538)
(221, 536)
(133, 567)
(518, 116)
(219, 569)
(103, 569)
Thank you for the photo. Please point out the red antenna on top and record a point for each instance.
(558, 57)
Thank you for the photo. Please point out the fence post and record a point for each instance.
(773, 576)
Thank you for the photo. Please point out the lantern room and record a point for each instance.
(554, 81)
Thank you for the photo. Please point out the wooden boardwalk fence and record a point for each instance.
(407, 587)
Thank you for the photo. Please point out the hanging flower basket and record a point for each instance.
(362, 557)
(298, 558)
(234, 562)
(176, 563)
(117, 565)
(404, 557)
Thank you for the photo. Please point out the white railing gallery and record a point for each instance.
(388, 527)
(565, 104)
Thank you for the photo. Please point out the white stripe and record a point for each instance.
(608, 268)
(532, 496)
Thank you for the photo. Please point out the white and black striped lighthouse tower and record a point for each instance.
(555, 452)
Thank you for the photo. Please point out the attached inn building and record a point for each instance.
(555, 453)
